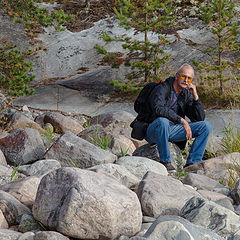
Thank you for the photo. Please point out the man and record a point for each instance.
(170, 102)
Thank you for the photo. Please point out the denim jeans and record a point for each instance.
(161, 131)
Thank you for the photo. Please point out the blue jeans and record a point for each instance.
(161, 131)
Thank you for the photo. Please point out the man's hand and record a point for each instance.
(187, 128)
(193, 90)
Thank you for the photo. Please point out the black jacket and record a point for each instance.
(159, 102)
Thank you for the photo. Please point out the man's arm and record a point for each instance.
(194, 108)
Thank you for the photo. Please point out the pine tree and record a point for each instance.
(219, 16)
(143, 56)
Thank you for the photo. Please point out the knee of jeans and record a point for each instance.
(208, 126)
(163, 122)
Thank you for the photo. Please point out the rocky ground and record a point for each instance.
(58, 182)
(66, 186)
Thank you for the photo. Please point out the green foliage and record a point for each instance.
(48, 134)
(28, 12)
(231, 140)
(100, 141)
(123, 152)
(126, 87)
(143, 56)
(14, 70)
(14, 175)
(100, 49)
(219, 16)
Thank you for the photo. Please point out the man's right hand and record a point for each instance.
(187, 128)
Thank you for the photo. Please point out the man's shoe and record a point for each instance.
(168, 166)
(194, 166)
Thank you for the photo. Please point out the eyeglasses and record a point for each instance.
(186, 78)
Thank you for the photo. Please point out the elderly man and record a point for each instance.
(170, 102)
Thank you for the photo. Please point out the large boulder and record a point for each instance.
(71, 150)
(24, 190)
(60, 122)
(22, 146)
(87, 205)
(163, 195)
(139, 166)
(211, 215)
(151, 151)
(163, 227)
(11, 208)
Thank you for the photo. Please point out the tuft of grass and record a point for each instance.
(123, 152)
(100, 141)
(48, 134)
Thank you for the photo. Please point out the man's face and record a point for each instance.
(184, 77)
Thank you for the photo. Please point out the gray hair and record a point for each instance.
(185, 65)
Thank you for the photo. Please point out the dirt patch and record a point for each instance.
(86, 12)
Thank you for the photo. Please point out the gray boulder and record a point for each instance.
(139, 166)
(71, 150)
(84, 204)
(211, 215)
(22, 146)
(163, 227)
(202, 182)
(163, 195)
(11, 208)
(39, 167)
(151, 151)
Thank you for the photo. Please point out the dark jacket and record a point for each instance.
(159, 102)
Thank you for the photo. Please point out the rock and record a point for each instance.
(222, 162)
(150, 151)
(177, 228)
(27, 223)
(39, 168)
(24, 190)
(236, 236)
(214, 196)
(116, 122)
(60, 122)
(214, 145)
(121, 145)
(49, 235)
(5, 174)
(201, 182)
(6, 234)
(3, 221)
(71, 150)
(75, 200)
(139, 166)
(3, 161)
(11, 208)
(162, 195)
(18, 120)
(235, 193)
(211, 215)
(225, 202)
(120, 173)
(22, 146)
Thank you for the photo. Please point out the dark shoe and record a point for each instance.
(193, 167)
(168, 166)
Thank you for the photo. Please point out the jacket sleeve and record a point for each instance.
(195, 110)
(158, 103)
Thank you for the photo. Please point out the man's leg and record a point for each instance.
(200, 131)
(158, 132)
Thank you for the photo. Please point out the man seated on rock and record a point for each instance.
(170, 102)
